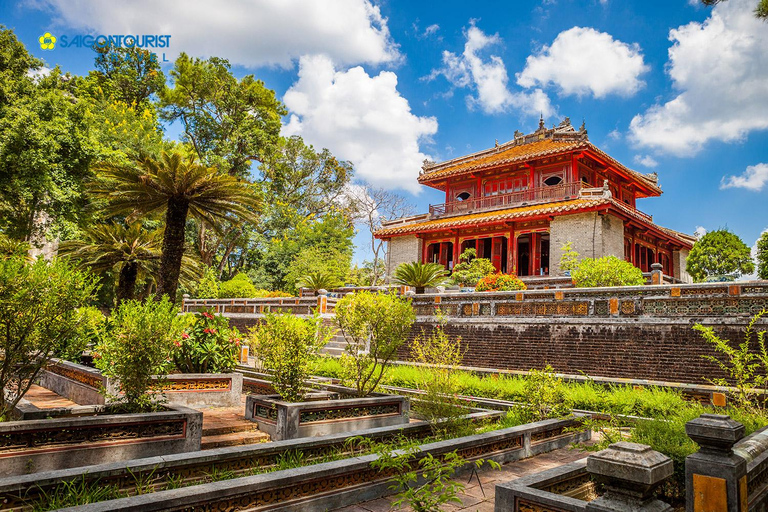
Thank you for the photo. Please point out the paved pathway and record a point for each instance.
(479, 497)
(46, 399)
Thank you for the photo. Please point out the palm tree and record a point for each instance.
(179, 188)
(318, 280)
(131, 250)
(421, 275)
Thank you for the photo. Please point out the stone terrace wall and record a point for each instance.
(634, 332)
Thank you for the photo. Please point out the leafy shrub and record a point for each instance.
(138, 343)
(286, 345)
(89, 322)
(569, 259)
(471, 269)
(207, 346)
(746, 365)
(374, 326)
(444, 355)
(208, 287)
(38, 314)
(420, 275)
(543, 396)
(239, 287)
(500, 283)
(606, 271)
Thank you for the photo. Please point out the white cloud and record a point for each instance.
(754, 178)
(487, 76)
(39, 73)
(614, 135)
(360, 118)
(583, 61)
(699, 232)
(646, 161)
(720, 67)
(247, 32)
(432, 29)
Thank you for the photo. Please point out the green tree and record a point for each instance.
(229, 122)
(179, 188)
(374, 325)
(128, 75)
(38, 313)
(762, 256)
(45, 147)
(717, 253)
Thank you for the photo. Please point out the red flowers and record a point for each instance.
(184, 336)
(210, 331)
(207, 315)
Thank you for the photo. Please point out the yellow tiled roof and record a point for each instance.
(515, 153)
(493, 216)
(520, 153)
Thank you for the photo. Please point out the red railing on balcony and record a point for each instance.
(523, 197)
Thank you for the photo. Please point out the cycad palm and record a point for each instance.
(318, 280)
(420, 275)
(180, 188)
(130, 250)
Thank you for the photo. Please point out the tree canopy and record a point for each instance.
(719, 253)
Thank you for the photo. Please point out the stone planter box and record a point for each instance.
(322, 415)
(82, 384)
(86, 435)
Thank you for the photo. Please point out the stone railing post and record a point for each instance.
(630, 473)
(322, 301)
(715, 477)
(184, 300)
(657, 276)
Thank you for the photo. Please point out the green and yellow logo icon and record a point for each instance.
(47, 41)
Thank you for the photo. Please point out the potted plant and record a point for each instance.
(471, 269)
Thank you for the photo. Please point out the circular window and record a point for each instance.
(463, 196)
(553, 180)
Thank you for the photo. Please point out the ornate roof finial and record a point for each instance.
(583, 125)
(541, 121)
(497, 142)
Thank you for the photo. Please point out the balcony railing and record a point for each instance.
(539, 195)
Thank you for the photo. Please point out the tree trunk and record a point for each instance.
(173, 248)
(126, 283)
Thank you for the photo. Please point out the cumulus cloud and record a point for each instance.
(248, 32)
(720, 68)
(487, 76)
(583, 61)
(699, 232)
(646, 161)
(360, 118)
(754, 178)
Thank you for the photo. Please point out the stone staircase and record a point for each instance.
(227, 427)
(335, 347)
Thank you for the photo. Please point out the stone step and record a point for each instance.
(234, 439)
(219, 430)
(332, 351)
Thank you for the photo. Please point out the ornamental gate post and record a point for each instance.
(657, 276)
(630, 473)
(715, 477)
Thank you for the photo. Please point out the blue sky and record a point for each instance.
(668, 87)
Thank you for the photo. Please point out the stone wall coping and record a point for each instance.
(530, 486)
(175, 412)
(191, 459)
(328, 404)
(201, 376)
(198, 494)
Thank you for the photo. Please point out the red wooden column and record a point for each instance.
(574, 168)
(512, 253)
(456, 250)
(534, 260)
(424, 250)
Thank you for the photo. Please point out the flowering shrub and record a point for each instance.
(499, 283)
(606, 271)
(209, 345)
